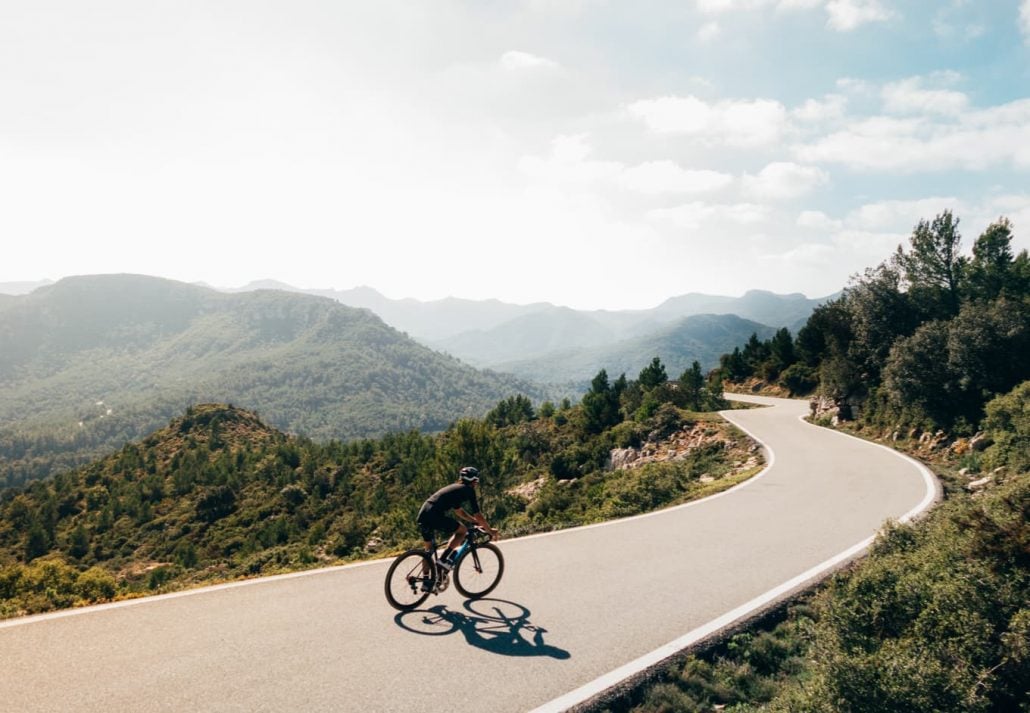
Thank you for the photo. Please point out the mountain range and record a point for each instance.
(91, 362)
(502, 336)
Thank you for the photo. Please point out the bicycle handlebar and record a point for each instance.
(479, 531)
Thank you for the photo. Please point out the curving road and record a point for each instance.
(577, 611)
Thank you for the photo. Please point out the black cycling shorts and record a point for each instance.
(430, 523)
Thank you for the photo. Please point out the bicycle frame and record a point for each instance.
(431, 576)
(467, 545)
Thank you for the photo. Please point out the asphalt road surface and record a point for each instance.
(576, 611)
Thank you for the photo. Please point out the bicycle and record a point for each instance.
(415, 574)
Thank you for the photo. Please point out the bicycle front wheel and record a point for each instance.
(410, 580)
(479, 571)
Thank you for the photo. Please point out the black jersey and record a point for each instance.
(452, 496)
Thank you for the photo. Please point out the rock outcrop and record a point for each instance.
(678, 447)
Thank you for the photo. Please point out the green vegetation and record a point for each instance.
(217, 494)
(924, 340)
(91, 363)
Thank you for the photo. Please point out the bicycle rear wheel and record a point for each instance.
(479, 571)
(410, 580)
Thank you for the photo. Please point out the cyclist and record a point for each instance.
(433, 515)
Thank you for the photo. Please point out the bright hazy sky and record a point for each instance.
(592, 154)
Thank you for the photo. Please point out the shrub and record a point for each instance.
(96, 584)
(800, 379)
(1008, 421)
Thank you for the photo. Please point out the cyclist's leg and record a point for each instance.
(426, 526)
(455, 529)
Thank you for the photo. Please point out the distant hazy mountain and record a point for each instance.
(21, 288)
(703, 338)
(551, 330)
(436, 320)
(428, 322)
(90, 362)
(757, 305)
(494, 334)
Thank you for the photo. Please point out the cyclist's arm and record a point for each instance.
(478, 519)
(464, 516)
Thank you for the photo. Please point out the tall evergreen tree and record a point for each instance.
(781, 349)
(733, 365)
(692, 384)
(990, 270)
(933, 265)
(653, 375)
(600, 404)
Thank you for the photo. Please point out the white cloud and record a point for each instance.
(752, 123)
(657, 177)
(673, 115)
(712, 7)
(865, 248)
(709, 31)
(559, 8)
(973, 140)
(568, 164)
(783, 180)
(816, 255)
(693, 216)
(900, 216)
(856, 86)
(1024, 20)
(570, 149)
(831, 106)
(798, 4)
(909, 97)
(1011, 203)
(736, 123)
(515, 61)
(1015, 207)
(847, 15)
(716, 6)
(956, 21)
(817, 220)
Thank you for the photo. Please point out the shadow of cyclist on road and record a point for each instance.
(494, 625)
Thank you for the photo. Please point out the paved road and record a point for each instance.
(573, 608)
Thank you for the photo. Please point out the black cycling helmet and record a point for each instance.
(469, 474)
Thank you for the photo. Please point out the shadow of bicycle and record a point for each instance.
(495, 625)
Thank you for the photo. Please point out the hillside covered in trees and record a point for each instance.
(217, 494)
(90, 363)
(924, 340)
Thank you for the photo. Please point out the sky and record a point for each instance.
(589, 153)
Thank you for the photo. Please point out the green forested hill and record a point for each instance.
(91, 362)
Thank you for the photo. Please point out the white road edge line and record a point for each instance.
(603, 683)
(36, 618)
